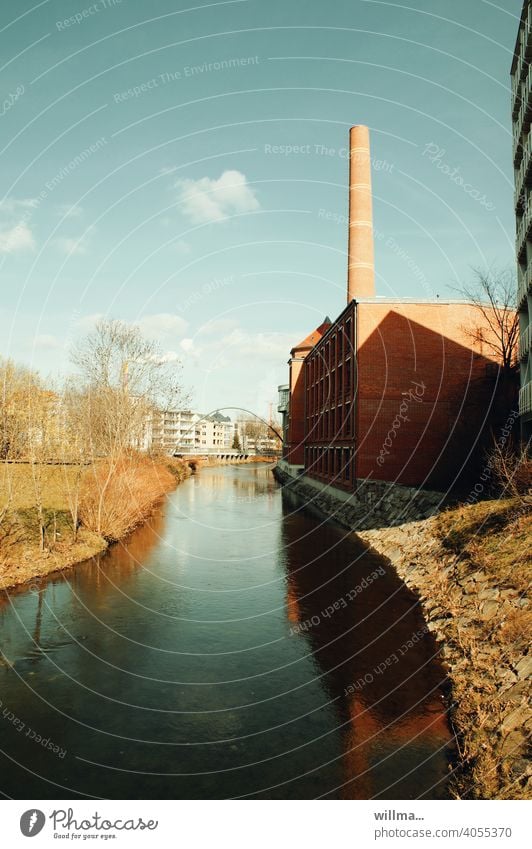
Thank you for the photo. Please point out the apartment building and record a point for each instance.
(185, 431)
(521, 73)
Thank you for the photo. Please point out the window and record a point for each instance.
(347, 386)
(348, 336)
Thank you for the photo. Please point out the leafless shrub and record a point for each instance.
(112, 505)
(512, 471)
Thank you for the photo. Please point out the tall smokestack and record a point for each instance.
(361, 266)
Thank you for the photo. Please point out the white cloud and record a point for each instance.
(16, 238)
(11, 206)
(217, 326)
(206, 200)
(87, 322)
(181, 247)
(258, 346)
(162, 324)
(67, 210)
(187, 344)
(72, 247)
(47, 342)
(168, 357)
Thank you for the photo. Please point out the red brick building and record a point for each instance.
(393, 390)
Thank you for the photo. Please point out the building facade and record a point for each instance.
(184, 431)
(521, 73)
(283, 407)
(397, 390)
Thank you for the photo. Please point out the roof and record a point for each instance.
(313, 338)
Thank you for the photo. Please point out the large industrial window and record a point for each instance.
(348, 335)
(347, 385)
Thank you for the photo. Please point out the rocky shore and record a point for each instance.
(481, 624)
(470, 567)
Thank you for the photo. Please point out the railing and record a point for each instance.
(519, 183)
(525, 340)
(526, 46)
(523, 230)
(525, 399)
(524, 285)
(523, 119)
(516, 95)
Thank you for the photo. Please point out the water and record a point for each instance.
(229, 648)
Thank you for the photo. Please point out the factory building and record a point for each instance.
(395, 390)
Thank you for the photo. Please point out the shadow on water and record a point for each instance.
(370, 642)
(232, 646)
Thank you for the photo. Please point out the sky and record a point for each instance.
(183, 166)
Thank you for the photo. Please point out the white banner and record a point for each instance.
(255, 824)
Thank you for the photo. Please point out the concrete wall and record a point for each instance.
(373, 504)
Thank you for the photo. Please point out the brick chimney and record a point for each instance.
(361, 266)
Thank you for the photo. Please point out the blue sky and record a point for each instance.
(183, 166)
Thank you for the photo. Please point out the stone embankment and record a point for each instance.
(372, 504)
(477, 623)
(480, 617)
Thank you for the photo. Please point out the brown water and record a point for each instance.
(233, 647)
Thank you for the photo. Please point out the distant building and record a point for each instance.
(522, 158)
(256, 437)
(394, 389)
(185, 431)
(283, 408)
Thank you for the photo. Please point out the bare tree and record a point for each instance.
(494, 292)
(124, 379)
(45, 435)
(259, 432)
(16, 384)
(76, 446)
(19, 390)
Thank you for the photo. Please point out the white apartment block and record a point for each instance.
(185, 431)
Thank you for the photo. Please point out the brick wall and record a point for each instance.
(421, 378)
(394, 392)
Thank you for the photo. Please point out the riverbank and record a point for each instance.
(134, 494)
(67, 493)
(471, 567)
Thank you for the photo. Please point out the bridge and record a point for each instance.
(209, 455)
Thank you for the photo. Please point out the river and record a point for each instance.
(235, 646)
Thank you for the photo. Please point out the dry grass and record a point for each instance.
(17, 478)
(137, 485)
(25, 562)
(493, 537)
(495, 534)
(118, 496)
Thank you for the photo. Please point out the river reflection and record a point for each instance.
(231, 647)
(370, 643)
